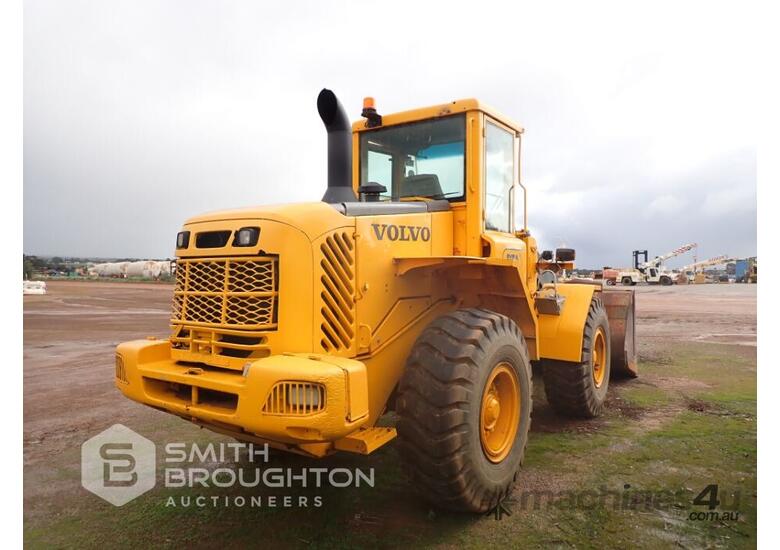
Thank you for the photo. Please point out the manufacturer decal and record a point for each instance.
(393, 232)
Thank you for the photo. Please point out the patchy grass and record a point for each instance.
(646, 396)
(625, 480)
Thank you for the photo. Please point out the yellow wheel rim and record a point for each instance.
(499, 412)
(599, 358)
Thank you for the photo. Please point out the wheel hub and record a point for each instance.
(500, 412)
(599, 358)
(491, 411)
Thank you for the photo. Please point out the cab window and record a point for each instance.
(499, 177)
(421, 159)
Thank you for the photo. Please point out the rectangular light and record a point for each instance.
(247, 236)
(183, 239)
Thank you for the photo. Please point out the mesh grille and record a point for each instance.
(206, 276)
(229, 292)
(204, 309)
(295, 399)
(241, 309)
(251, 276)
(338, 292)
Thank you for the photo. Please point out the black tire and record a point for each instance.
(625, 281)
(571, 388)
(666, 281)
(609, 282)
(439, 409)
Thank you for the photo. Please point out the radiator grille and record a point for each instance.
(295, 399)
(240, 293)
(338, 292)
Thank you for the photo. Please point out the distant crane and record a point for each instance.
(717, 260)
(652, 271)
(689, 272)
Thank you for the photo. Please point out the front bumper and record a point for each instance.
(238, 402)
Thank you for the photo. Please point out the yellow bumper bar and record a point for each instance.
(291, 398)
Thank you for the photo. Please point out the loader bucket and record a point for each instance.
(619, 304)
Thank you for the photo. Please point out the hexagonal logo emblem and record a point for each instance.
(118, 465)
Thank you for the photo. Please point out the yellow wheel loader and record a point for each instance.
(411, 287)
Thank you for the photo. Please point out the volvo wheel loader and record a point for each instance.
(410, 288)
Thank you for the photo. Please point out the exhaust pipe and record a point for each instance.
(339, 148)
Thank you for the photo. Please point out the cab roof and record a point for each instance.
(434, 111)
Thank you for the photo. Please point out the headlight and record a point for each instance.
(247, 236)
(292, 398)
(304, 396)
(183, 239)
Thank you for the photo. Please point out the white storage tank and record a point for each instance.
(114, 269)
(152, 270)
(137, 269)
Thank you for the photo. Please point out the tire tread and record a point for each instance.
(436, 396)
(567, 385)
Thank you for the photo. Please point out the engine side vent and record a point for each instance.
(121, 373)
(338, 292)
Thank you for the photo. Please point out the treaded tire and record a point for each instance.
(439, 408)
(570, 387)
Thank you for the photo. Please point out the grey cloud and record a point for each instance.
(141, 114)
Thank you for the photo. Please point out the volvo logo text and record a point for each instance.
(393, 232)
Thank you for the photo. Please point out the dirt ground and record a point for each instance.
(687, 422)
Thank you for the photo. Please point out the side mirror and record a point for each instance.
(547, 255)
(564, 254)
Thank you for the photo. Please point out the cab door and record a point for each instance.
(500, 177)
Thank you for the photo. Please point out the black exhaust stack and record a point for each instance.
(339, 148)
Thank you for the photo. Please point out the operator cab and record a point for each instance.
(460, 156)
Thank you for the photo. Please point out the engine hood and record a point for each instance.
(311, 218)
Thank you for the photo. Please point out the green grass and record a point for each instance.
(690, 421)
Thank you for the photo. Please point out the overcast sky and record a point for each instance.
(640, 118)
